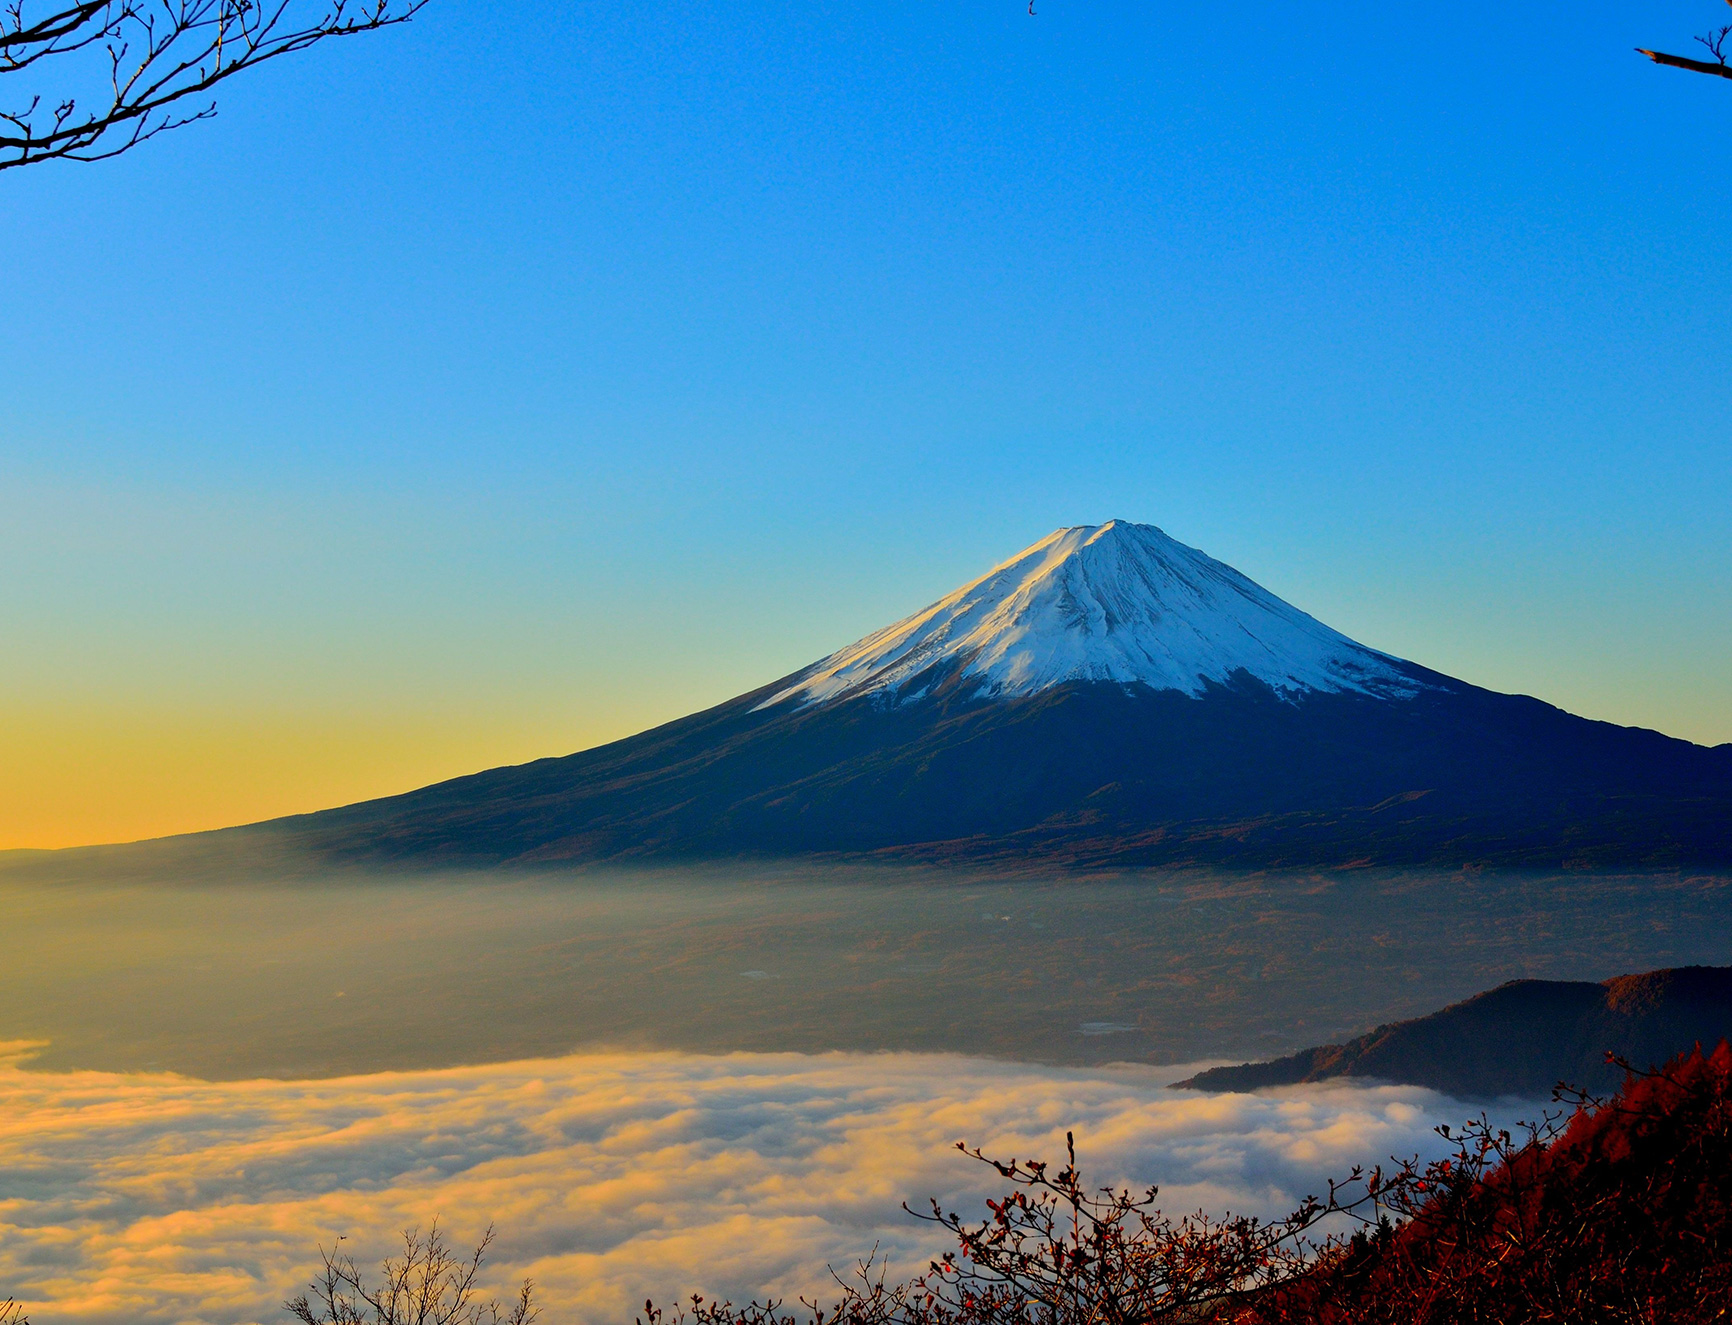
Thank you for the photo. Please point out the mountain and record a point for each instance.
(1118, 603)
(1108, 697)
(1521, 1038)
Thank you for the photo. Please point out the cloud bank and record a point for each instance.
(142, 1198)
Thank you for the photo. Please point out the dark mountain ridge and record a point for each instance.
(1522, 1038)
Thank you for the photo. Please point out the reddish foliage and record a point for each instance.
(1624, 1215)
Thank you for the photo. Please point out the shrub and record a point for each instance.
(1609, 1211)
(427, 1285)
(1625, 1214)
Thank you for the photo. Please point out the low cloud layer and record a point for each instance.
(610, 1177)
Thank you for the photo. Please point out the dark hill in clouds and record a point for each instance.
(1521, 1038)
(1108, 697)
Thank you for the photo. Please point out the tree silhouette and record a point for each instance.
(428, 1284)
(110, 74)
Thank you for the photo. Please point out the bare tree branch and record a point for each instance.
(1683, 62)
(428, 1284)
(1716, 44)
(129, 63)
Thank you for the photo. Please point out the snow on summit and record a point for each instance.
(1113, 602)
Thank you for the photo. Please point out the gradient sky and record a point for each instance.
(504, 384)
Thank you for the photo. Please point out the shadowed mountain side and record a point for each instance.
(1086, 774)
(1521, 1038)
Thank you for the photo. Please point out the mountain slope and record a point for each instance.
(1521, 1038)
(1089, 775)
(1107, 698)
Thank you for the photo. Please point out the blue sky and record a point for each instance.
(508, 382)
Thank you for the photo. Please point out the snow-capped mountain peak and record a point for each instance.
(1116, 602)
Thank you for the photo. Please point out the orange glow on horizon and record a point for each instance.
(82, 777)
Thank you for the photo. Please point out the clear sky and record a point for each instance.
(507, 383)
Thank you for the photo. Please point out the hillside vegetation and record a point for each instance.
(1612, 1211)
(1605, 1212)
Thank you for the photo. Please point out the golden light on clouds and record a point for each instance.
(141, 1199)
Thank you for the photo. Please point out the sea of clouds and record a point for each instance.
(157, 1198)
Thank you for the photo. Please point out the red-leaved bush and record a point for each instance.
(1625, 1214)
(1613, 1211)
(1610, 1212)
